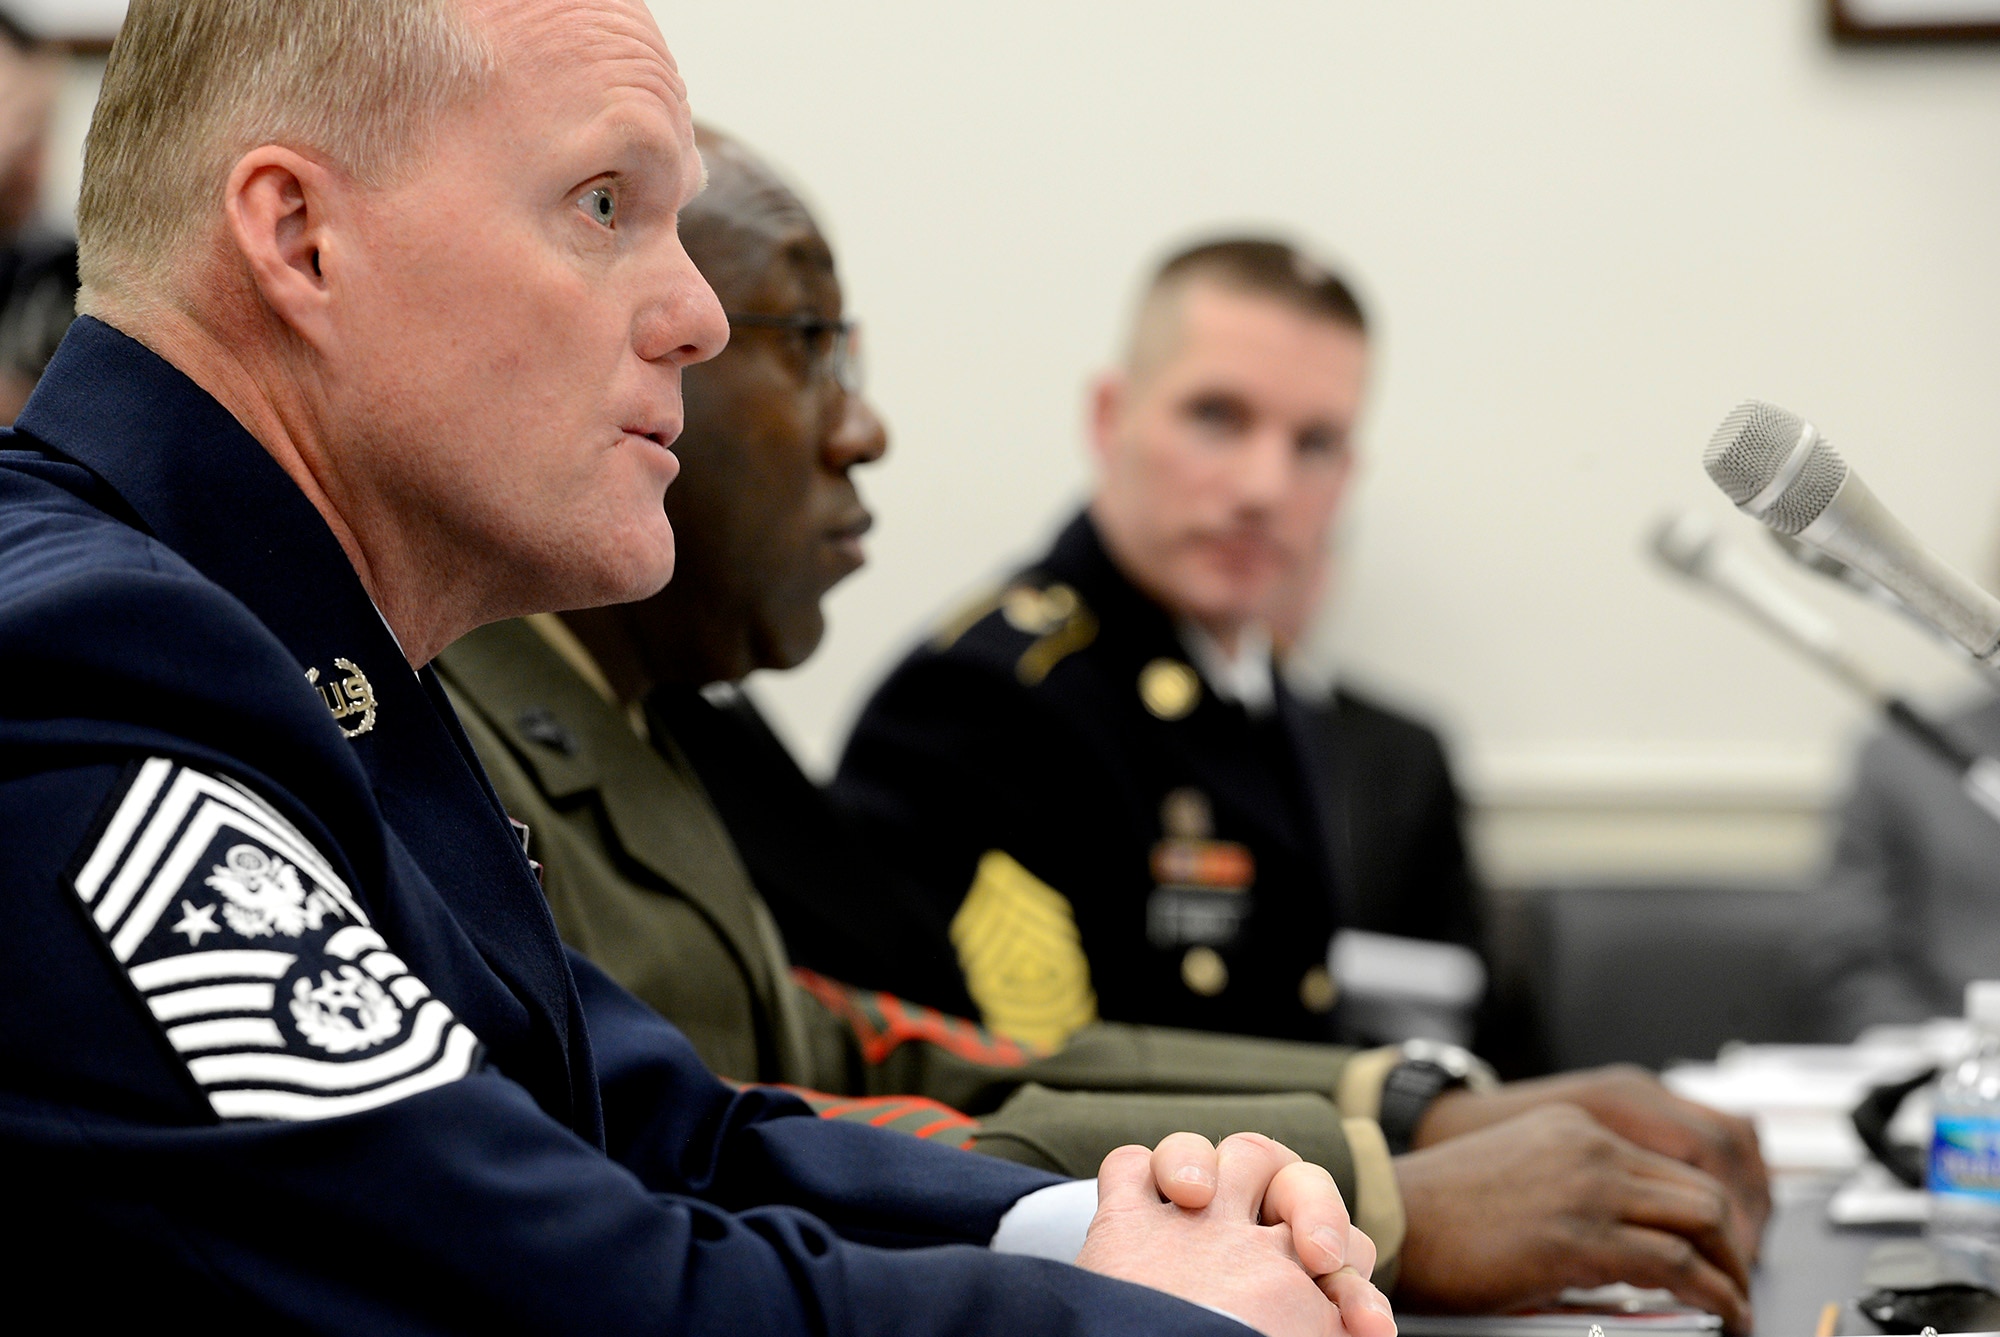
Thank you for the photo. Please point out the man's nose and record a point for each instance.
(1264, 469)
(858, 435)
(687, 324)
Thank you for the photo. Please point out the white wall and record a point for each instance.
(68, 123)
(68, 20)
(1587, 230)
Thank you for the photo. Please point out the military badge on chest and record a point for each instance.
(350, 698)
(252, 955)
(1202, 890)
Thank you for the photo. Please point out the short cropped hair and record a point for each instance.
(1258, 266)
(192, 85)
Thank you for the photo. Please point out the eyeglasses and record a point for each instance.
(832, 347)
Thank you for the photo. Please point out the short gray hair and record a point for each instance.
(192, 85)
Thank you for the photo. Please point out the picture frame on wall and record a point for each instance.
(1874, 21)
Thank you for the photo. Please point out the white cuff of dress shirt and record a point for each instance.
(1050, 1222)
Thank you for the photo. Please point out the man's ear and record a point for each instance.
(1107, 406)
(277, 203)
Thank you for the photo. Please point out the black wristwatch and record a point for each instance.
(1428, 1070)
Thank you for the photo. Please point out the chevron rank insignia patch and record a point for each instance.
(253, 956)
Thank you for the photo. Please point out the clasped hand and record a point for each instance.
(1247, 1227)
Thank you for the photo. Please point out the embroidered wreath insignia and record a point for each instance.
(265, 897)
(323, 1011)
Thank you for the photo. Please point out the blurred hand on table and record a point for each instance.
(1512, 1214)
(1632, 1103)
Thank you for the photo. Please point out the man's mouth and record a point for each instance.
(1242, 547)
(846, 537)
(662, 435)
(660, 438)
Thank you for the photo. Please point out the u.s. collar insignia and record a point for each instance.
(347, 697)
(1170, 689)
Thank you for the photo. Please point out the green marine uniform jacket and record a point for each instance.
(645, 880)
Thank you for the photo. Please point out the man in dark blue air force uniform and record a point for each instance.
(287, 1038)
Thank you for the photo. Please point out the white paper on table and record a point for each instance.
(1874, 1197)
(1800, 1096)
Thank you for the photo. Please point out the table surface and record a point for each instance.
(1807, 1263)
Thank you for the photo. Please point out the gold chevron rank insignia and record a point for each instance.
(1023, 958)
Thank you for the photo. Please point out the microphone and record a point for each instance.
(1689, 545)
(1777, 468)
(1839, 572)
(1820, 564)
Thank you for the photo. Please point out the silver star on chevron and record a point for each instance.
(195, 922)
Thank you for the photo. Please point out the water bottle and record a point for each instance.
(1964, 1177)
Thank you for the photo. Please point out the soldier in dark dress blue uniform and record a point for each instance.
(1065, 737)
(287, 1039)
(1099, 755)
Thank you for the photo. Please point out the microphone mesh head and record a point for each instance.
(1801, 503)
(1747, 452)
(1750, 447)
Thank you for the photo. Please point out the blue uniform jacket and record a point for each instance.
(286, 1033)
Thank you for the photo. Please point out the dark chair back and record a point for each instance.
(1647, 974)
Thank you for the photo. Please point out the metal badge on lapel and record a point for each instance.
(347, 697)
(1318, 990)
(1204, 971)
(1186, 813)
(1170, 689)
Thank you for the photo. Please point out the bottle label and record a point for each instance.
(1965, 1157)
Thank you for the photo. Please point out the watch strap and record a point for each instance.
(1407, 1092)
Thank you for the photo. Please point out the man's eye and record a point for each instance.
(1218, 414)
(600, 204)
(816, 340)
(1321, 441)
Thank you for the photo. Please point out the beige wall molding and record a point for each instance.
(1639, 814)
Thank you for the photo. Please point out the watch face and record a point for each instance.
(1457, 1062)
(1417, 1078)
